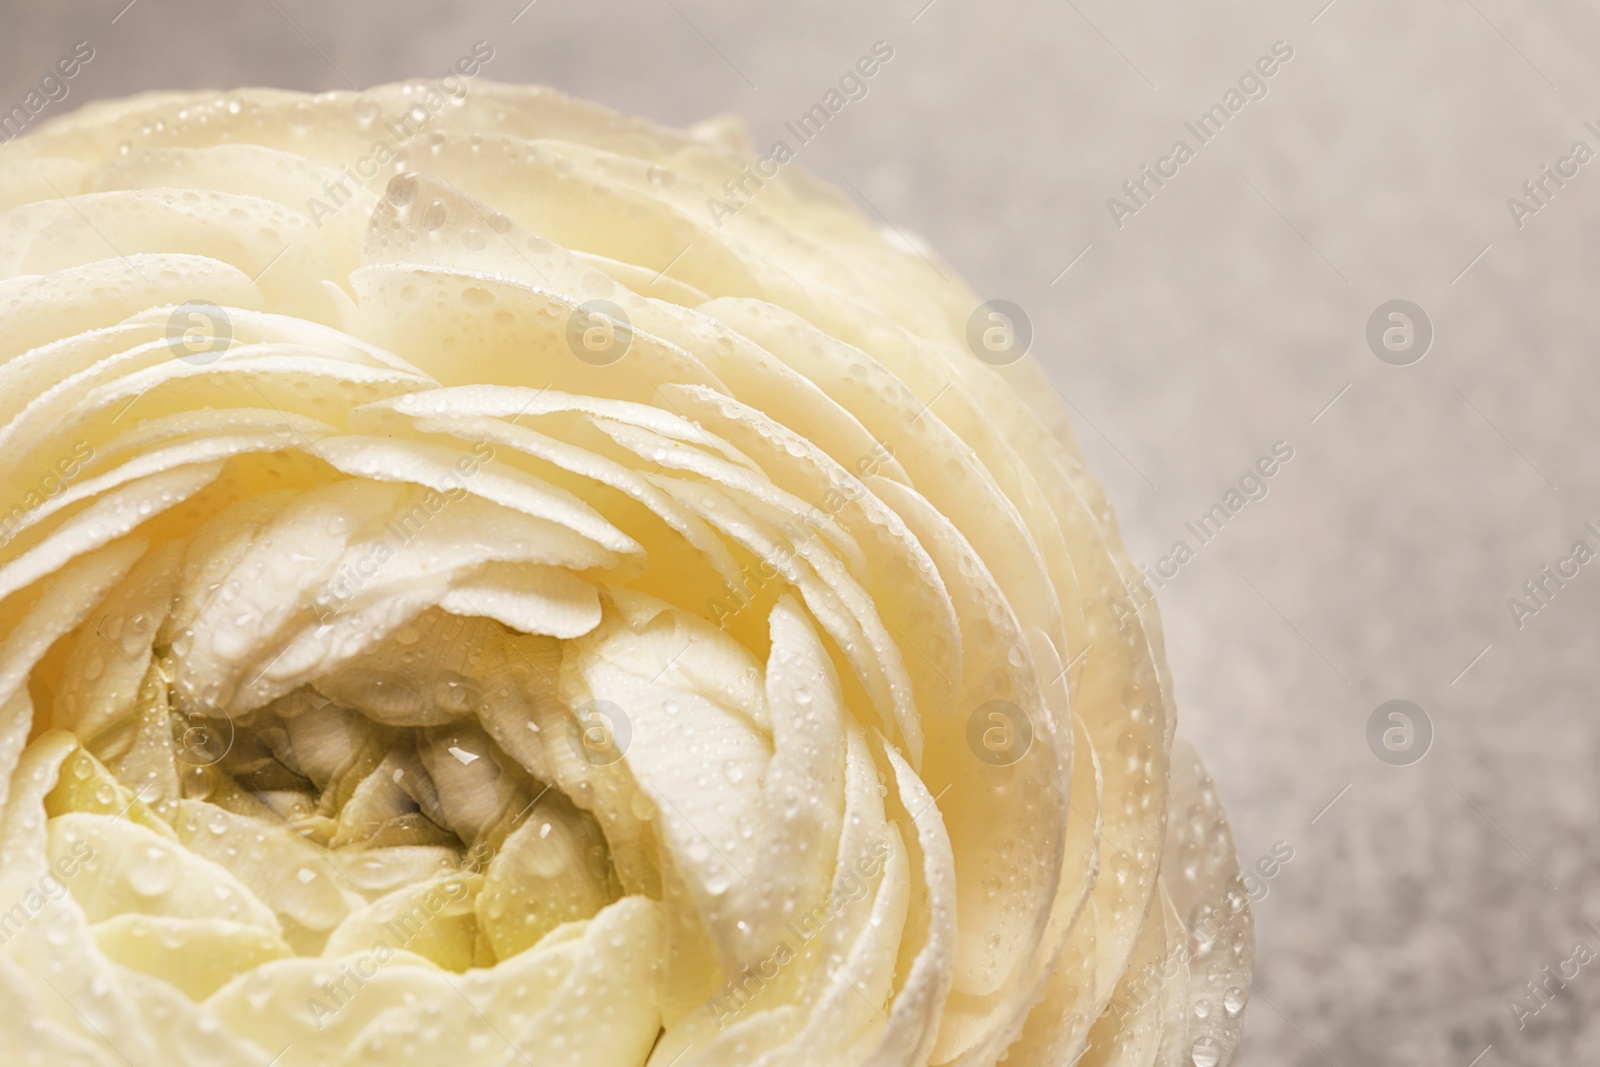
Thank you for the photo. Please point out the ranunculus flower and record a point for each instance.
(467, 597)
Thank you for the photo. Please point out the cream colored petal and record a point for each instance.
(129, 869)
(245, 232)
(198, 956)
(36, 305)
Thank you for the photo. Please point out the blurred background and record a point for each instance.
(1440, 459)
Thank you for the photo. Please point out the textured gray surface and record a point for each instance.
(1221, 318)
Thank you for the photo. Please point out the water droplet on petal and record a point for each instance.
(155, 874)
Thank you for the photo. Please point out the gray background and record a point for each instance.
(1223, 317)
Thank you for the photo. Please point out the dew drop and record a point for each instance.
(402, 189)
(642, 808)
(155, 875)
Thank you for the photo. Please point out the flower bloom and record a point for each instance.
(463, 601)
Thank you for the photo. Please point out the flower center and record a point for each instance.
(339, 821)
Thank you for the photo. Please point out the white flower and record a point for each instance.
(463, 602)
